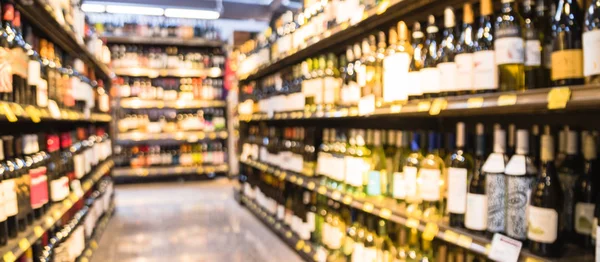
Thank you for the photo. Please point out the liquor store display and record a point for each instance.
(425, 192)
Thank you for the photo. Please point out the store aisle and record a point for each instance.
(191, 221)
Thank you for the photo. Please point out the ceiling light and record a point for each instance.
(134, 10)
(191, 13)
(93, 8)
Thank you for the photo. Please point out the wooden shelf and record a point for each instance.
(142, 40)
(168, 170)
(42, 17)
(389, 209)
(137, 137)
(16, 247)
(176, 72)
(139, 103)
(530, 101)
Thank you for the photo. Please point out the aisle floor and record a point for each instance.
(186, 221)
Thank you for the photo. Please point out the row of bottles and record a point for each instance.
(171, 57)
(171, 120)
(340, 232)
(503, 52)
(171, 88)
(484, 187)
(213, 153)
(38, 170)
(39, 73)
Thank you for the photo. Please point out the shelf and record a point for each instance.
(42, 17)
(142, 40)
(389, 209)
(16, 247)
(530, 101)
(176, 72)
(98, 231)
(137, 137)
(13, 112)
(387, 13)
(168, 170)
(139, 103)
(304, 248)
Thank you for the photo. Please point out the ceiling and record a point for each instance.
(260, 10)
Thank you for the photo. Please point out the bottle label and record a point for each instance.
(332, 88)
(584, 217)
(336, 235)
(495, 186)
(485, 70)
(591, 49)
(323, 163)
(354, 171)
(280, 212)
(413, 83)
(39, 190)
(6, 84)
(533, 53)
(429, 188)
(448, 73)
(2, 204)
(543, 224)
(79, 165)
(509, 50)
(374, 183)
(395, 73)
(59, 188)
(399, 186)
(361, 75)
(348, 246)
(519, 190)
(477, 210)
(19, 62)
(410, 178)
(310, 220)
(464, 67)
(11, 204)
(430, 80)
(370, 254)
(567, 183)
(358, 253)
(326, 232)
(457, 190)
(351, 93)
(567, 64)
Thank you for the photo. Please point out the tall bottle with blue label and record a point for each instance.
(376, 176)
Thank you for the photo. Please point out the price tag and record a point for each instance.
(507, 100)
(8, 112)
(49, 221)
(299, 245)
(385, 213)
(212, 135)
(24, 244)
(475, 102)
(412, 223)
(383, 6)
(9, 257)
(293, 178)
(438, 105)
(423, 106)
(558, 97)
(353, 111)
(322, 190)
(33, 113)
(283, 175)
(366, 105)
(450, 236)
(300, 181)
(347, 200)
(504, 248)
(431, 230)
(54, 110)
(394, 109)
(311, 185)
(56, 215)
(368, 207)
(465, 241)
(38, 231)
(93, 244)
(336, 195)
(307, 249)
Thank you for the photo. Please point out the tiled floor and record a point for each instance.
(189, 221)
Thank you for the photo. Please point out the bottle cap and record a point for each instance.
(547, 151)
(376, 137)
(402, 31)
(572, 148)
(479, 129)
(460, 134)
(449, 19)
(499, 141)
(431, 27)
(467, 13)
(522, 142)
(400, 138)
(486, 7)
(391, 136)
(589, 148)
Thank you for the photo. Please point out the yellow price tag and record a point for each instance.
(558, 97)
(322, 190)
(293, 178)
(336, 195)
(288, 234)
(368, 207)
(507, 100)
(412, 223)
(299, 245)
(73, 197)
(300, 181)
(450, 236)
(347, 200)
(9, 257)
(396, 109)
(423, 106)
(307, 249)
(311, 185)
(24, 244)
(212, 135)
(49, 221)
(344, 25)
(33, 113)
(57, 214)
(94, 244)
(438, 105)
(38, 231)
(353, 111)
(465, 241)
(383, 6)
(8, 112)
(385, 213)
(475, 102)
(431, 230)
(68, 203)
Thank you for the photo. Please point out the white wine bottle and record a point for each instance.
(509, 45)
(495, 183)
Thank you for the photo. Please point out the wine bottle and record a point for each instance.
(460, 168)
(4, 172)
(371, 246)
(584, 195)
(396, 66)
(484, 56)
(447, 52)
(520, 173)
(369, 62)
(416, 62)
(567, 53)
(11, 204)
(509, 44)
(358, 165)
(6, 87)
(430, 74)
(533, 46)
(430, 176)
(546, 204)
(351, 94)
(410, 169)
(591, 38)
(331, 83)
(380, 54)
(495, 183)
(477, 203)
(464, 52)
(377, 177)
(568, 171)
(544, 12)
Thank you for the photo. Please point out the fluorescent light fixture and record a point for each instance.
(191, 13)
(93, 8)
(134, 10)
